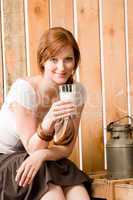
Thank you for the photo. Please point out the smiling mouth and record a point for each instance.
(61, 75)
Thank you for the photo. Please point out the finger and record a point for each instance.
(32, 177)
(64, 107)
(63, 116)
(24, 175)
(62, 102)
(61, 112)
(19, 172)
(28, 177)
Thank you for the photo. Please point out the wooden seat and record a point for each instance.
(103, 188)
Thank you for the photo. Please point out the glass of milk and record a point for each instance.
(68, 92)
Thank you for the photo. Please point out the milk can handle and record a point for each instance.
(110, 125)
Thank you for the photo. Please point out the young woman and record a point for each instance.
(33, 164)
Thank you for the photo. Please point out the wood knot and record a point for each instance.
(37, 10)
(111, 31)
(82, 10)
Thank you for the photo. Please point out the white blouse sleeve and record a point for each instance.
(23, 93)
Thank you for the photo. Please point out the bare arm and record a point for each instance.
(26, 121)
(26, 124)
(54, 152)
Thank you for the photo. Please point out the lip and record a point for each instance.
(61, 74)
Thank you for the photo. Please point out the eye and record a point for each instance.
(54, 60)
(68, 59)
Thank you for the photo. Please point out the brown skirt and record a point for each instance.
(62, 172)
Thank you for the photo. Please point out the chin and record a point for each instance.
(60, 81)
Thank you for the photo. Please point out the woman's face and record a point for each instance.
(59, 68)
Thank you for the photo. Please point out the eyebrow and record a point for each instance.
(68, 56)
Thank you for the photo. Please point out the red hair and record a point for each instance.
(52, 42)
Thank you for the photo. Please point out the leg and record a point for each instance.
(77, 192)
(54, 192)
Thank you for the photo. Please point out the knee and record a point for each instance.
(77, 192)
(54, 192)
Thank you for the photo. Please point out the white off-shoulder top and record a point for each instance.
(23, 93)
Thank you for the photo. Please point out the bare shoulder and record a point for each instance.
(32, 79)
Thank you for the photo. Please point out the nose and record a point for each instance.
(60, 65)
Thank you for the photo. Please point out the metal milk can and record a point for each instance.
(120, 150)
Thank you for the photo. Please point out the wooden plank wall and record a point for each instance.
(13, 41)
(103, 29)
(1, 72)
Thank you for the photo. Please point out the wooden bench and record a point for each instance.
(103, 188)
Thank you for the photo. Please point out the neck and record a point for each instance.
(48, 87)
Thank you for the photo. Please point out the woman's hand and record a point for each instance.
(58, 110)
(29, 168)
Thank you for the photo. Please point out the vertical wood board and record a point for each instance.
(62, 15)
(88, 37)
(14, 40)
(38, 22)
(130, 48)
(1, 72)
(114, 59)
